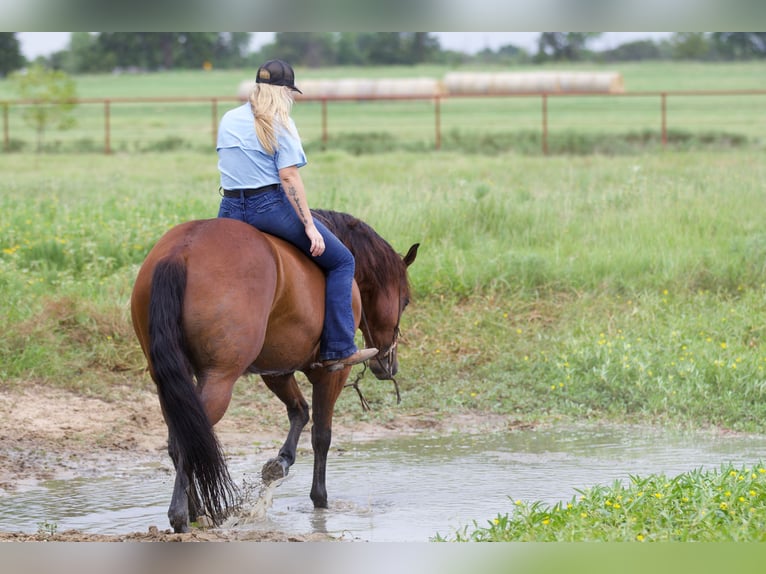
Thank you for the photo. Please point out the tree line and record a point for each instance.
(109, 51)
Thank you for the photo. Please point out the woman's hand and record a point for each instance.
(317, 241)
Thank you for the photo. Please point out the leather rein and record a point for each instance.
(388, 354)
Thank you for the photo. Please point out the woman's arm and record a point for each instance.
(296, 193)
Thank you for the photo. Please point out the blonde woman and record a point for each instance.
(259, 153)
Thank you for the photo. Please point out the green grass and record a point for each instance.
(571, 288)
(698, 506)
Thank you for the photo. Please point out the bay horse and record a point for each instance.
(216, 299)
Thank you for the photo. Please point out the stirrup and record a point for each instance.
(360, 356)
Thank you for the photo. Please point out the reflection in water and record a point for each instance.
(406, 489)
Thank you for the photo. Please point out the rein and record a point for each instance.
(388, 354)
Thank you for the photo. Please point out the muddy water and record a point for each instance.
(406, 489)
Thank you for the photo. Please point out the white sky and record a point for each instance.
(35, 44)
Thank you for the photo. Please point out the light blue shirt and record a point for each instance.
(242, 161)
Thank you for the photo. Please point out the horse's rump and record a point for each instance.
(251, 299)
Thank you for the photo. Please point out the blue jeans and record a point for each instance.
(272, 212)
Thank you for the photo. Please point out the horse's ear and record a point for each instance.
(411, 254)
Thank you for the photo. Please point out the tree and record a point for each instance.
(10, 53)
(348, 50)
(53, 93)
(632, 51)
(424, 47)
(311, 49)
(740, 45)
(83, 55)
(690, 45)
(563, 46)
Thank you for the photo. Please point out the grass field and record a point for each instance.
(545, 289)
(466, 123)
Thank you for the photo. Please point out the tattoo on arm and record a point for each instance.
(293, 194)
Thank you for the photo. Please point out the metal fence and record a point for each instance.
(123, 124)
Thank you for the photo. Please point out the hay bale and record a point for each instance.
(369, 88)
(467, 83)
(244, 89)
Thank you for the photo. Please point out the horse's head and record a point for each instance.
(382, 310)
(381, 274)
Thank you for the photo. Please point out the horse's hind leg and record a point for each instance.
(286, 388)
(178, 512)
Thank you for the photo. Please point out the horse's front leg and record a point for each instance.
(286, 388)
(327, 387)
(178, 512)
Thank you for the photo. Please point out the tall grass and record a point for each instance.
(697, 506)
(626, 288)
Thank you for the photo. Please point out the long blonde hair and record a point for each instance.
(271, 107)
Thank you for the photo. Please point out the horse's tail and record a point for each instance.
(192, 440)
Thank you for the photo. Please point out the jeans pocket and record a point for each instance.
(230, 209)
(266, 202)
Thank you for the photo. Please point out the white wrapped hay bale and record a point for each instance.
(591, 82)
(244, 89)
(369, 88)
(467, 83)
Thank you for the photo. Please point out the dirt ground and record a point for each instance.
(48, 433)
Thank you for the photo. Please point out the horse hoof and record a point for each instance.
(273, 470)
(180, 528)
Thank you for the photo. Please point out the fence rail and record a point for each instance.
(751, 118)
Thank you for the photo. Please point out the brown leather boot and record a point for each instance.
(360, 356)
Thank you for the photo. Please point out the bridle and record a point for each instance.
(387, 354)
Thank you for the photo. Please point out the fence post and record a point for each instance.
(107, 145)
(6, 135)
(545, 124)
(664, 120)
(438, 113)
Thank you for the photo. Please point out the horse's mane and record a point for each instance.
(376, 260)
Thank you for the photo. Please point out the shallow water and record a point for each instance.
(407, 489)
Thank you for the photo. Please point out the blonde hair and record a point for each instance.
(271, 107)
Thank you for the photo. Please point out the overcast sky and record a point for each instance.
(35, 44)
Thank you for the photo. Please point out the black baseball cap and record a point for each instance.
(277, 73)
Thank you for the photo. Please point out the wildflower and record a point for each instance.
(546, 521)
(658, 495)
(723, 345)
(640, 537)
(495, 521)
(724, 506)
